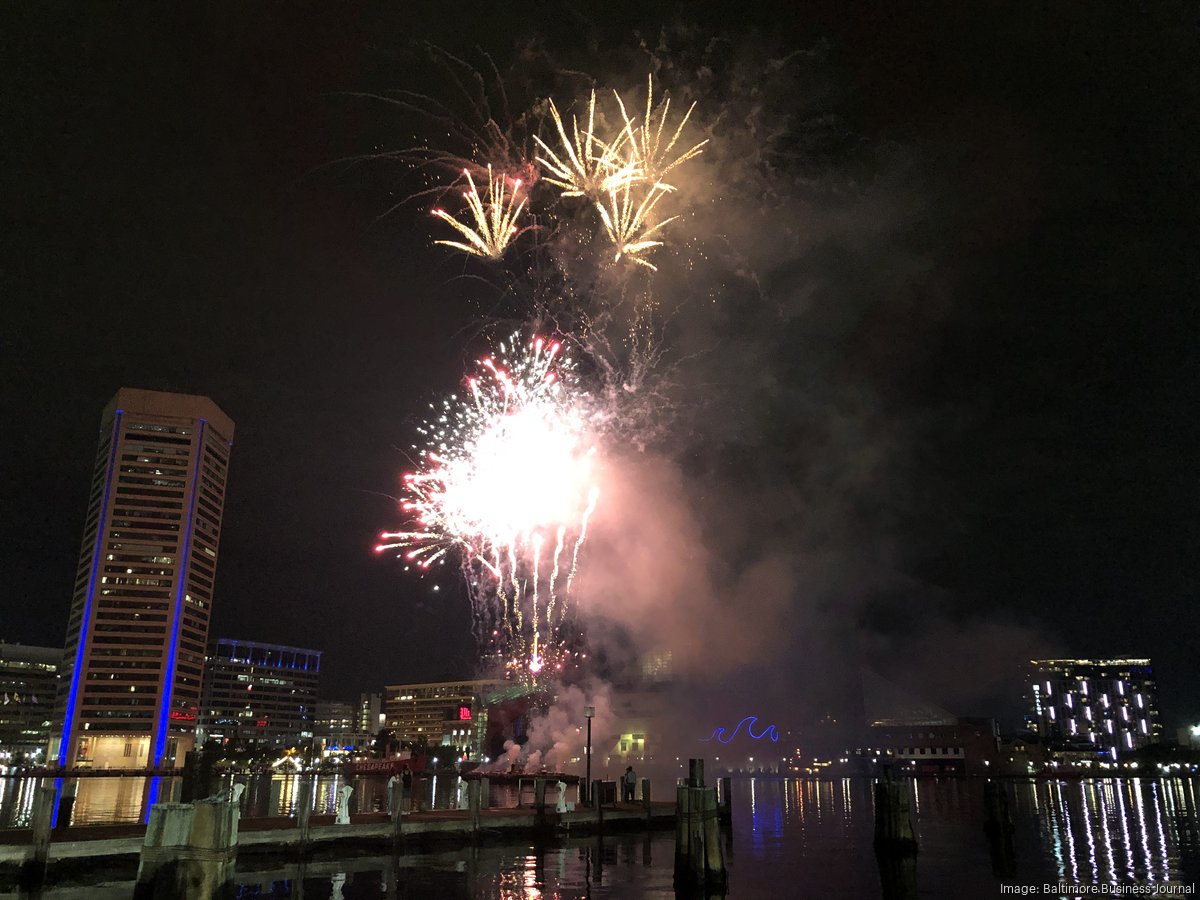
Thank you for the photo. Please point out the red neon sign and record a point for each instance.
(464, 714)
(182, 716)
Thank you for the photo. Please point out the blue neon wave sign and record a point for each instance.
(769, 732)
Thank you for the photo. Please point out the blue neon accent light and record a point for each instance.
(164, 716)
(58, 784)
(770, 732)
(101, 527)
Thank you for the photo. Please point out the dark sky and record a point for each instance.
(175, 217)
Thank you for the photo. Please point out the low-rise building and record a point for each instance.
(338, 728)
(28, 684)
(451, 714)
(259, 696)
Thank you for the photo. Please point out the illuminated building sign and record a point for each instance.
(464, 714)
(769, 732)
(177, 716)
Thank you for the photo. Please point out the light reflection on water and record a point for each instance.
(791, 838)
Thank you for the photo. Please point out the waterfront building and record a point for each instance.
(450, 714)
(1099, 707)
(130, 686)
(337, 728)
(28, 685)
(920, 737)
(259, 696)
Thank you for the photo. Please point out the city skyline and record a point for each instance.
(958, 412)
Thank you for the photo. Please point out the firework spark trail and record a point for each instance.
(508, 465)
(494, 220)
(558, 547)
(651, 159)
(587, 514)
(591, 165)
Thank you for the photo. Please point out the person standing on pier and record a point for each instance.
(628, 784)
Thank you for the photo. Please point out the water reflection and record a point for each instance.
(1107, 831)
(790, 837)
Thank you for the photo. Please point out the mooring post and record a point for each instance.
(699, 859)
(304, 807)
(597, 805)
(539, 802)
(714, 859)
(998, 826)
(66, 804)
(539, 794)
(473, 805)
(646, 797)
(682, 835)
(894, 832)
(727, 796)
(396, 807)
(33, 871)
(189, 851)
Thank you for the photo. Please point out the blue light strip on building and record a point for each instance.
(101, 527)
(164, 717)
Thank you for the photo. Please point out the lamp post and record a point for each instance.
(588, 712)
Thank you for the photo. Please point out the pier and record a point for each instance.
(119, 848)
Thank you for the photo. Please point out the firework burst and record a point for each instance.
(507, 484)
(626, 211)
(494, 221)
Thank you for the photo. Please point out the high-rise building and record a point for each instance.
(260, 695)
(130, 686)
(28, 685)
(1102, 706)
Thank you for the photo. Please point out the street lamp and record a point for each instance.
(588, 712)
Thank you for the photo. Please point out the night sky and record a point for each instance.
(978, 372)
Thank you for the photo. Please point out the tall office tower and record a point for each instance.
(1101, 707)
(130, 686)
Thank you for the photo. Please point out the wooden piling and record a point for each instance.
(727, 796)
(396, 807)
(473, 804)
(66, 805)
(894, 832)
(696, 773)
(33, 870)
(699, 856)
(597, 805)
(539, 793)
(998, 826)
(646, 797)
(304, 808)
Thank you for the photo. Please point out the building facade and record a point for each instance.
(28, 686)
(130, 687)
(451, 714)
(1105, 707)
(259, 696)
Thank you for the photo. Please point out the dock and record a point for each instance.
(116, 848)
